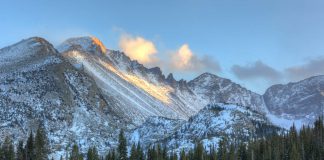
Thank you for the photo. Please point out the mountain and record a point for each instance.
(84, 93)
(299, 100)
(216, 89)
(125, 83)
(39, 87)
(209, 125)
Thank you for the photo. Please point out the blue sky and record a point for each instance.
(256, 43)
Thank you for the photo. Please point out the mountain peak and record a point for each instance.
(27, 45)
(87, 43)
(170, 78)
(98, 43)
(205, 77)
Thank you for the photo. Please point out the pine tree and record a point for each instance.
(8, 149)
(29, 148)
(20, 151)
(75, 154)
(231, 154)
(164, 152)
(198, 154)
(242, 155)
(174, 156)
(111, 155)
(41, 144)
(151, 153)
(133, 154)
(1, 153)
(213, 153)
(294, 155)
(92, 154)
(139, 151)
(222, 149)
(159, 152)
(122, 150)
(183, 155)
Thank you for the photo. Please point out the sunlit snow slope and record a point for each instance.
(138, 92)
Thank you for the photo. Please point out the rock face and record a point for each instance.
(84, 93)
(208, 125)
(217, 89)
(303, 99)
(127, 83)
(44, 89)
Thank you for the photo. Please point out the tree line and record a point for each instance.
(306, 144)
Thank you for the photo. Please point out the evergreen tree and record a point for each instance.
(133, 154)
(213, 153)
(183, 155)
(242, 155)
(92, 154)
(199, 150)
(122, 150)
(294, 155)
(41, 144)
(8, 149)
(75, 154)
(231, 154)
(1, 153)
(111, 155)
(164, 152)
(151, 153)
(29, 148)
(139, 151)
(222, 149)
(159, 152)
(20, 151)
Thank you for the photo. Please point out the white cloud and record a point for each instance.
(181, 60)
(185, 60)
(138, 48)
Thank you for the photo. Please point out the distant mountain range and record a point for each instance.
(84, 93)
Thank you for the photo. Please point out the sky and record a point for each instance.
(256, 43)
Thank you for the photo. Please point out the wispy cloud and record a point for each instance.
(312, 67)
(256, 70)
(261, 71)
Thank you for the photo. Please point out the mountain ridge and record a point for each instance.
(85, 93)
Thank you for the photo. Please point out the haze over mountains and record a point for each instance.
(84, 93)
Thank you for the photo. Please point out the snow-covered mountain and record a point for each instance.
(38, 86)
(208, 125)
(84, 93)
(302, 100)
(127, 83)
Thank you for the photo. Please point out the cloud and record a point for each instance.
(185, 60)
(138, 48)
(182, 58)
(256, 70)
(312, 67)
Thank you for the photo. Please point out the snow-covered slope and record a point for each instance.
(122, 82)
(216, 89)
(84, 93)
(302, 101)
(208, 126)
(37, 87)
(138, 92)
